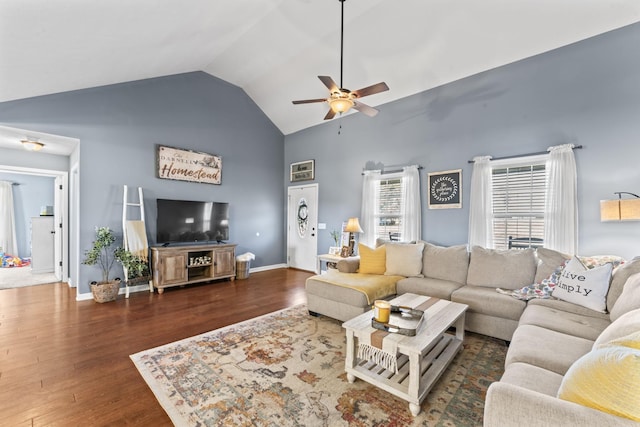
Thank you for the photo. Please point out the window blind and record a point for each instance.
(518, 205)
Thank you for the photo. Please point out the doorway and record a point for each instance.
(302, 227)
(58, 270)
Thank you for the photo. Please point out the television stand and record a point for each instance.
(184, 265)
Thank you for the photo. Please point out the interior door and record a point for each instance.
(58, 229)
(302, 227)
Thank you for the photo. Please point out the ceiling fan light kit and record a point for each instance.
(32, 145)
(341, 100)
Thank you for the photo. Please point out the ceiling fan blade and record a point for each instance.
(330, 115)
(309, 101)
(364, 108)
(329, 83)
(370, 90)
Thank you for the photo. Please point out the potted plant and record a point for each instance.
(137, 269)
(103, 255)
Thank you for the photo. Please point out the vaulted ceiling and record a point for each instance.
(275, 49)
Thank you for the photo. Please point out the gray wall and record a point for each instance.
(119, 127)
(587, 93)
(28, 197)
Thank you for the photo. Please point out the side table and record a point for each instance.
(328, 259)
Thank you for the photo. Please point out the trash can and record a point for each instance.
(243, 264)
(242, 269)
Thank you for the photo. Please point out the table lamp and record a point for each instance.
(353, 226)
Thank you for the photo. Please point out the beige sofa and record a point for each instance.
(547, 336)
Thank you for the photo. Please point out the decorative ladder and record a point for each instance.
(125, 240)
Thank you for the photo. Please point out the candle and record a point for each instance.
(381, 311)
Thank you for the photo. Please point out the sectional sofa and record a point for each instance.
(553, 309)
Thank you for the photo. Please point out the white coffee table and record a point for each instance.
(429, 352)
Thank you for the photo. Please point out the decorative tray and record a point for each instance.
(403, 320)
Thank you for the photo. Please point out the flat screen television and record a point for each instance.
(192, 221)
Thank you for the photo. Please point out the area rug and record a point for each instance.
(287, 369)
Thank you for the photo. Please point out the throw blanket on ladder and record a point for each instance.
(381, 347)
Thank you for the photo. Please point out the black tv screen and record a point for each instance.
(192, 221)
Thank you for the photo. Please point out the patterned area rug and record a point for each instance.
(287, 369)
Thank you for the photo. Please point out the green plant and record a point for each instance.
(136, 266)
(335, 235)
(101, 252)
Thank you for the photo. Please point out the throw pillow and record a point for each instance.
(548, 261)
(620, 276)
(632, 341)
(586, 287)
(404, 259)
(372, 261)
(349, 265)
(606, 379)
(626, 324)
(629, 298)
(542, 290)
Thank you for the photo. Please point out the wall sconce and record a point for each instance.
(353, 226)
(620, 209)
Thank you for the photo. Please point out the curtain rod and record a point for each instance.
(395, 168)
(575, 147)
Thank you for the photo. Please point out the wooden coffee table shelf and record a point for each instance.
(422, 359)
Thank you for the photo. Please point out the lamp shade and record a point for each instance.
(609, 210)
(630, 210)
(353, 226)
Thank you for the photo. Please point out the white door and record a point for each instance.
(58, 229)
(302, 227)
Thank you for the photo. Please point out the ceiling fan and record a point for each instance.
(341, 100)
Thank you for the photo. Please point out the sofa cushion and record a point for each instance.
(629, 298)
(548, 261)
(404, 259)
(623, 326)
(607, 379)
(509, 269)
(620, 276)
(545, 348)
(446, 263)
(563, 321)
(487, 301)
(568, 307)
(427, 286)
(586, 287)
(372, 261)
(532, 378)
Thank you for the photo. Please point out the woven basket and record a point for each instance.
(105, 291)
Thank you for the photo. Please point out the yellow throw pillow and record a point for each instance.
(632, 341)
(606, 379)
(372, 261)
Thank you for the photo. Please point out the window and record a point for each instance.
(518, 205)
(388, 212)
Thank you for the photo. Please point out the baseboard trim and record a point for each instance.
(145, 287)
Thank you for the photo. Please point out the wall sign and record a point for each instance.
(302, 171)
(445, 189)
(187, 165)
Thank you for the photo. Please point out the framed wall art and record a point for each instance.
(303, 171)
(187, 165)
(445, 189)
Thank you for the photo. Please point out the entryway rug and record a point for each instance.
(287, 369)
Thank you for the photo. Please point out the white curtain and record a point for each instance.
(8, 242)
(561, 204)
(411, 217)
(370, 185)
(480, 204)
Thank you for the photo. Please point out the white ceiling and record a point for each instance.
(275, 49)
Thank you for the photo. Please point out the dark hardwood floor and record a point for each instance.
(66, 363)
